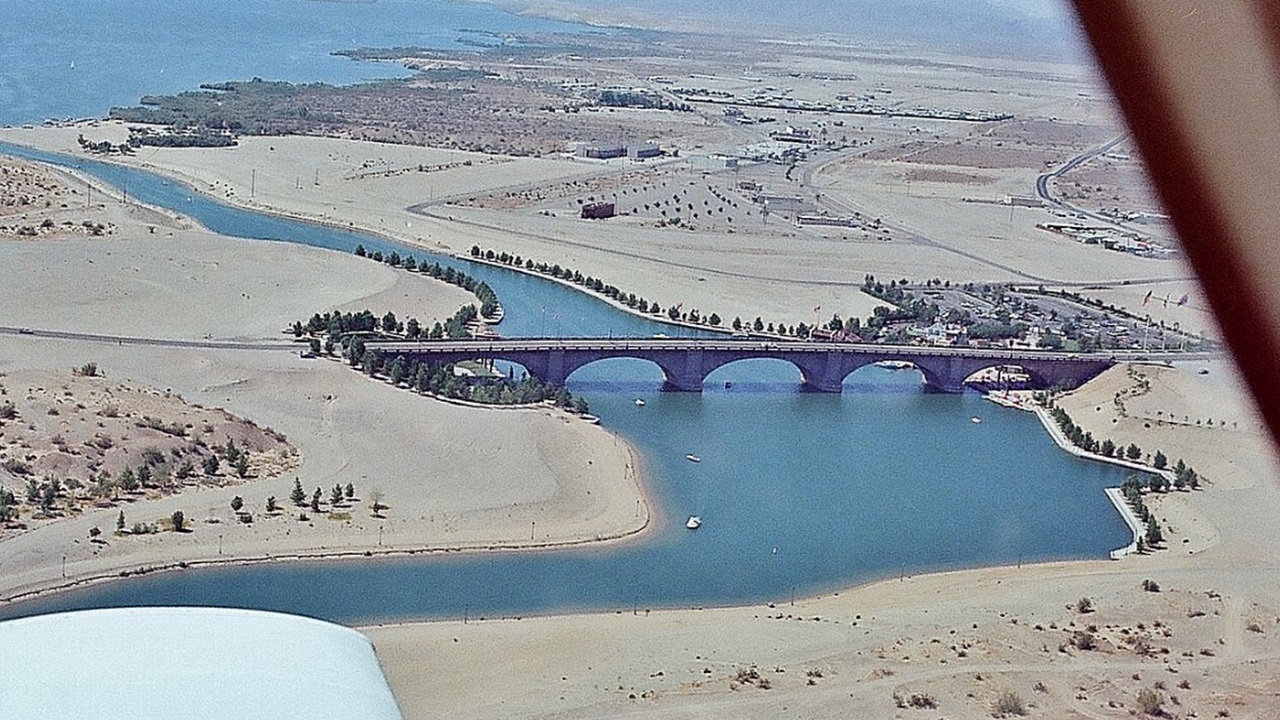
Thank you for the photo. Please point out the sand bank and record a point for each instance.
(451, 476)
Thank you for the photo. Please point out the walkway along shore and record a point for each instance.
(1113, 494)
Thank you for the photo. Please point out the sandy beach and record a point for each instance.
(1209, 638)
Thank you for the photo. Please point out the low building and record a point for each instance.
(602, 152)
(644, 152)
(599, 211)
(825, 220)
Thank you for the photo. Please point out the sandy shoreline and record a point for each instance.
(870, 641)
(862, 646)
(240, 292)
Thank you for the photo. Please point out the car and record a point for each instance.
(26, 331)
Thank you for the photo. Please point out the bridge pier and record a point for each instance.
(684, 371)
(945, 374)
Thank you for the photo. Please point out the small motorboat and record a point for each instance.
(975, 420)
(692, 458)
(639, 402)
(694, 522)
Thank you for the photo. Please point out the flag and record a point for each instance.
(1183, 300)
(1145, 299)
(816, 309)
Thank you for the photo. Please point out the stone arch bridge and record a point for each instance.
(685, 363)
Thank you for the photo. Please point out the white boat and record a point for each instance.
(975, 420)
(692, 458)
(694, 522)
(639, 402)
(895, 364)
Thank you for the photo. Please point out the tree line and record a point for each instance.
(485, 294)
(443, 380)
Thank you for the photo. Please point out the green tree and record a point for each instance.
(209, 465)
(271, 504)
(298, 496)
(1133, 452)
(335, 495)
(1160, 461)
(350, 491)
(1154, 536)
(179, 521)
(242, 466)
(314, 346)
(315, 501)
(120, 521)
(128, 481)
(1108, 447)
(396, 373)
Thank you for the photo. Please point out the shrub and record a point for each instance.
(1084, 606)
(922, 701)
(1150, 702)
(1084, 641)
(1008, 703)
(1150, 585)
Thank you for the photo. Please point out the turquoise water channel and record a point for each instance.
(798, 492)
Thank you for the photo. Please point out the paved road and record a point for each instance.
(153, 342)
(1043, 192)
(744, 344)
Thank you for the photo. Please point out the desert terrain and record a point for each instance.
(141, 297)
(918, 196)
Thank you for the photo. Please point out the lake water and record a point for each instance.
(799, 492)
(77, 58)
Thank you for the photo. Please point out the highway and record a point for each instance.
(148, 341)
(1042, 184)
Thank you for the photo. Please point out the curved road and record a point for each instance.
(1042, 184)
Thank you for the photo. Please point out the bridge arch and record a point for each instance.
(1005, 375)
(620, 369)
(762, 369)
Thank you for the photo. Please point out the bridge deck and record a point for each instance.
(685, 363)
